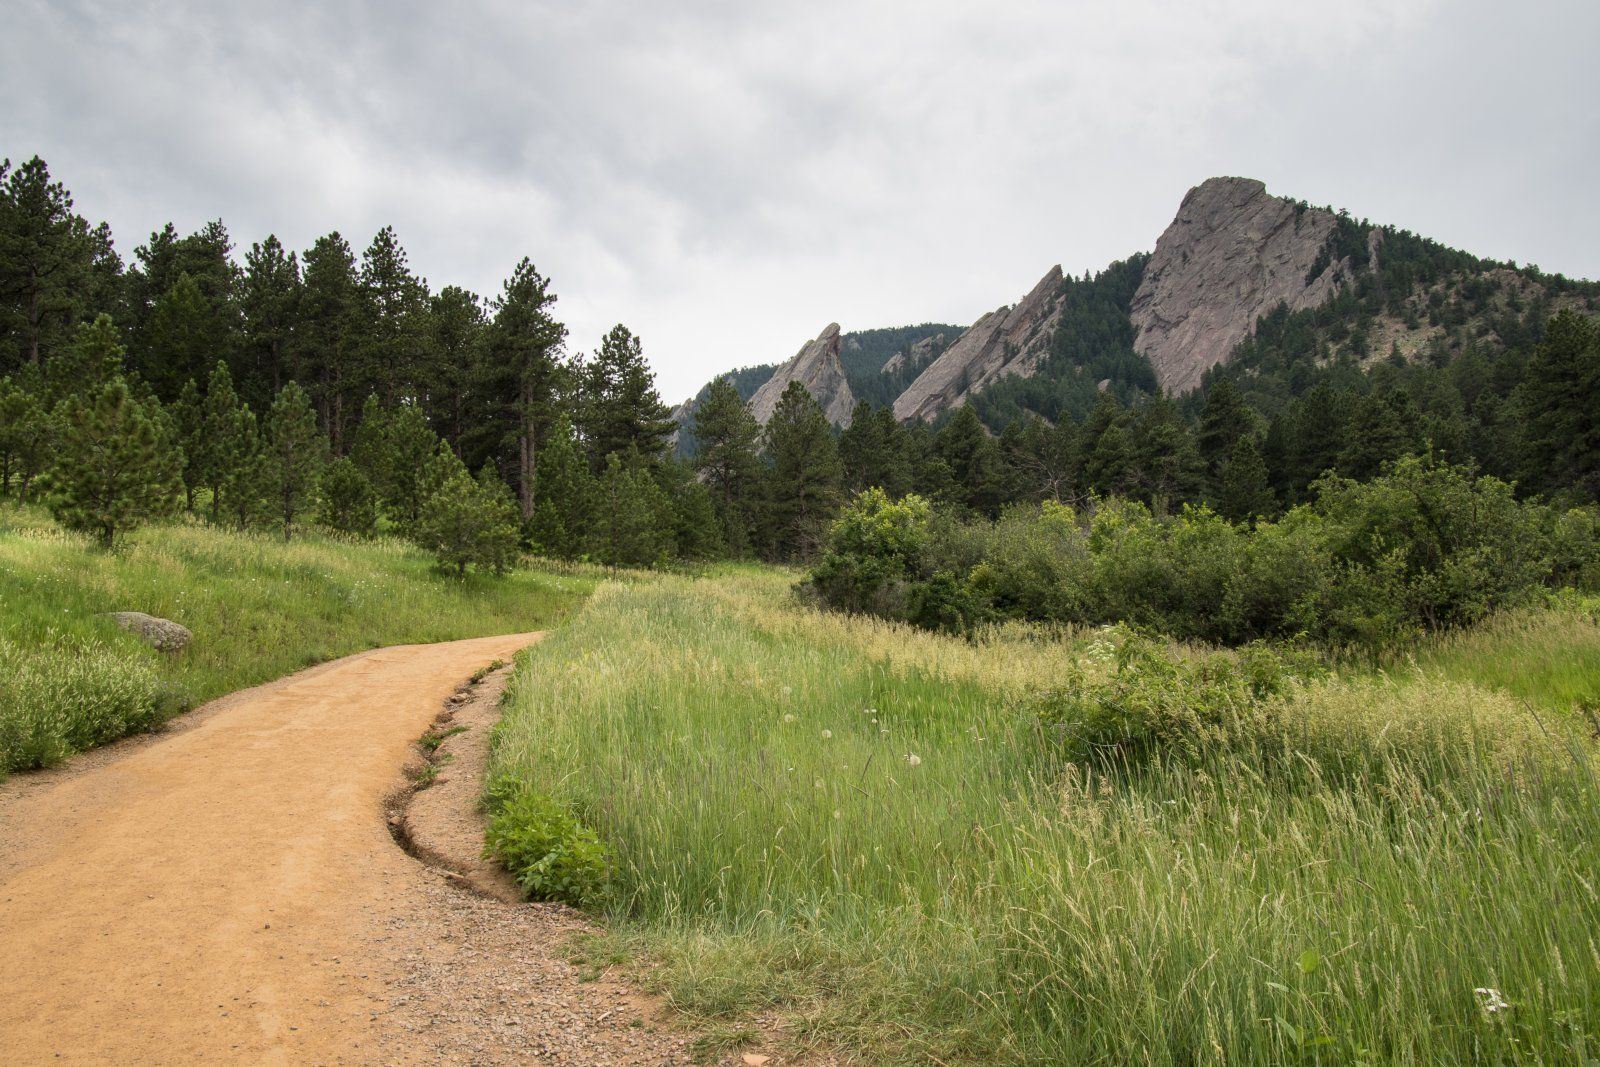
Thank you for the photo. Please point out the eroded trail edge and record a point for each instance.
(230, 891)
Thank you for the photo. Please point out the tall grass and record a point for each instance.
(259, 609)
(865, 829)
(1549, 657)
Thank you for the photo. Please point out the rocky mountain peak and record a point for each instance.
(1009, 340)
(817, 367)
(1233, 253)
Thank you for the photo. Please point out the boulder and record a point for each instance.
(164, 635)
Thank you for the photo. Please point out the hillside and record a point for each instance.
(1233, 256)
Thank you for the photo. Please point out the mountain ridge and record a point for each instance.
(1233, 254)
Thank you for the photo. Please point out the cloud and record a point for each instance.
(726, 178)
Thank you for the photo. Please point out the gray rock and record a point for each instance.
(816, 366)
(164, 635)
(919, 354)
(1003, 342)
(1232, 254)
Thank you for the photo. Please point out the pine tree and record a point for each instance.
(216, 442)
(94, 357)
(1379, 430)
(201, 323)
(28, 436)
(349, 503)
(974, 462)
(621, 409)
(1243, 491)
(805, 479)
(872, 450)
(457, 344)
(470, 523)
(394, 306)
(443, 465)
(328, 338)
(392, 448)
(46, 254)
(115, 469)
(1319, 426)
(695, 526)
(1224, 421)
(188, 421)
(269, 298)
(296, 453)
(246, 482)
(931, 477)
(564, 496)
(523, 373)
(728, 460)
(1560, 406)
(633, 519)
(180, 339)
(1109, 469)
(1164, 464)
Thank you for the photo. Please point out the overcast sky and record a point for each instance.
(728, 177)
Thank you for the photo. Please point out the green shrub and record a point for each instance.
(1426, 546)
(1154, 698)
(874, 546)
(551, 854)
(66, 696)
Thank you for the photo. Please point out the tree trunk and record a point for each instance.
(33, 318)
(527, 452)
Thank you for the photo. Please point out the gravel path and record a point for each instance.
(228, 891)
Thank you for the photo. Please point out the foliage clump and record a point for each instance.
(1425, 546)
(1149, 698)
(552, 855)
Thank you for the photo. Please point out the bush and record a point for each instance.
(551, 854)
(1426, 546)
(1156, 699)
(68, 696)
(874, 546)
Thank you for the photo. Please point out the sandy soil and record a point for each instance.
(229, 891)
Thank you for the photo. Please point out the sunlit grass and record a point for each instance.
(1549, 657)
(259, 609)
(863, 828)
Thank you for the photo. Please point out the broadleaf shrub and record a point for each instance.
(549, 851)
(1425, 546)
(1155, 699)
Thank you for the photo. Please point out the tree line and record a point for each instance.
(282, 389)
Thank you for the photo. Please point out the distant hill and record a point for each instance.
(1265, 289)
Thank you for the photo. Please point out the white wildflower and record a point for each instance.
(1491, 1000)
(788, 718)
(827, 735)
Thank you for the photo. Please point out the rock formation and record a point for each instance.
(816, 366)
(1006, 341)
(917, 355)
(1232, 254)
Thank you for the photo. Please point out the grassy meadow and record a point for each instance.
(866, 832)
(259, 608)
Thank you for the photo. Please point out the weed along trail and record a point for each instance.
(230, 892)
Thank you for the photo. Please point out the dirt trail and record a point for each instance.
(230, 892)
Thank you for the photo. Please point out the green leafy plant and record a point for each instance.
(552, 855)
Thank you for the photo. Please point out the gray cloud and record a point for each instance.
(727, 177)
